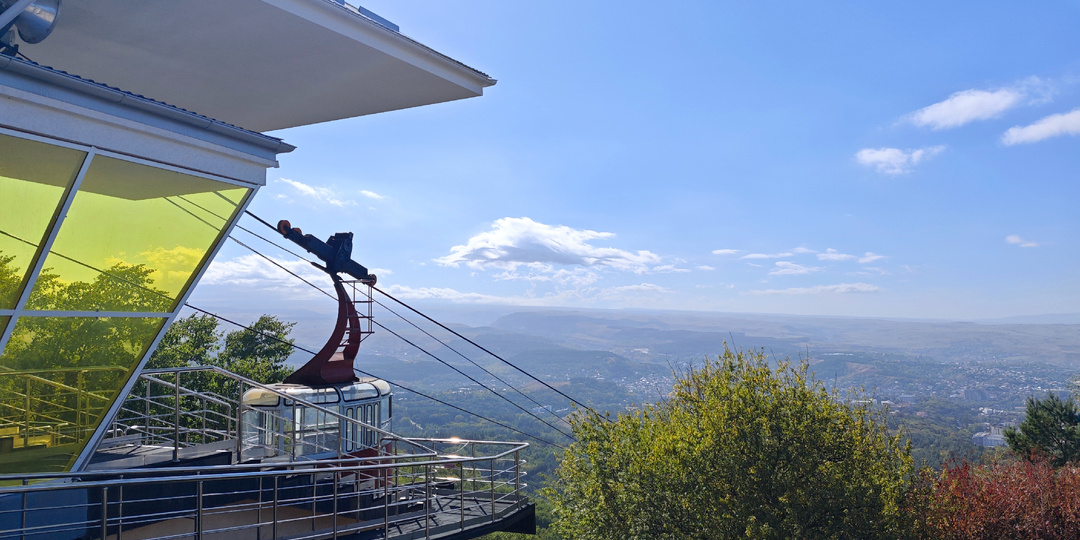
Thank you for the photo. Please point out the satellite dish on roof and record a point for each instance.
(36, 21)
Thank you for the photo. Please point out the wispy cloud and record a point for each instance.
(257, 274)
(1051, 126)
(840, 288)
(802, 250)
(833, 255)
(1015, 240)
(766, 256)
(895, 160)
(669, 269)
(321, 194)
(785, 268)
(970, 105)
(705, 268)
(371, 195)
(515, 242)
(870, 257)
(627, 294)
(726, 251)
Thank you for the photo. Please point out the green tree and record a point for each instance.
(258, 352)
(740, 450)
(1050, 430)
(190, 341)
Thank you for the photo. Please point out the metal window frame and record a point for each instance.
(46, 246)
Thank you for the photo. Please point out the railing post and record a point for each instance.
(386, 503)
(517, 478)
(276, 506)
(461, 478)
(120, 511)
(335, 480)
(427, 501)
(240, 426)
(199, 511)
(104, 512)
(176, 419)
(25, 503)
(491, 478)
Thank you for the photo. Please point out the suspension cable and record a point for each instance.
(403, 387)
(448, 329)
(482, 348)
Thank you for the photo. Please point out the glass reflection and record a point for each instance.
(58, 377)
(33, 180)
(133, 238)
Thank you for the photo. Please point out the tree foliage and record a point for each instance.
(1050, 430)
(1003, 499)
(258, 352)
(740, 450)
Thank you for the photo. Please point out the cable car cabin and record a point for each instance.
(278, 429)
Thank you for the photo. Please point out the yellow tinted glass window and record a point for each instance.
(33, 180)
(133, 239)
(58, 377)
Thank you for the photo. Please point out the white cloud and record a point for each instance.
(841, 288)
(967, 106)
(802, 250)
(321, 194)
(669, 269)
(257, 274)
(895, 160)
(785, 268)
(766, 256)
(726, 251)
(514, 242)
(705, 268)
(1051, 126)
(371, 195)
(1015, 240)
(870, 257)
(833, 255)
(623, 294)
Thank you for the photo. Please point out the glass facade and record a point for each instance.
(132, 241)
(34, 177)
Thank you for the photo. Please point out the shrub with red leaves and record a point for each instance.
(1005, 499)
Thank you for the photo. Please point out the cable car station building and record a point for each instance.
(130, 144)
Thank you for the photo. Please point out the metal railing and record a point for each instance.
(468, 484)
(188, 410)
(36, 410)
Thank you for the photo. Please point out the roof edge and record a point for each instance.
(120, 97)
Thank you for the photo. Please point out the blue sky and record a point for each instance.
(905, 160)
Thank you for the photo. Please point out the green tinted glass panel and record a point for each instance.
(133, 238)
(58, 378)
(33, 180)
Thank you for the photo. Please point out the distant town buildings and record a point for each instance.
(989, 439)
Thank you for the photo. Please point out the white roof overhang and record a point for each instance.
(259, 64)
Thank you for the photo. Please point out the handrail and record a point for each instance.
(279, 393)
(201, 473)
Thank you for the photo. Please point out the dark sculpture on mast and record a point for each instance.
(331, 365)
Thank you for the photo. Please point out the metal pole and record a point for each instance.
(491, 478)
(517, 478)
(176, 419)
(462, 480)
(199, 512)
(240, 427)
(386, 506)
(104, 512)
(120, 512)
(25, 502)
(335, 480)
(275, 506)
(427, 501)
